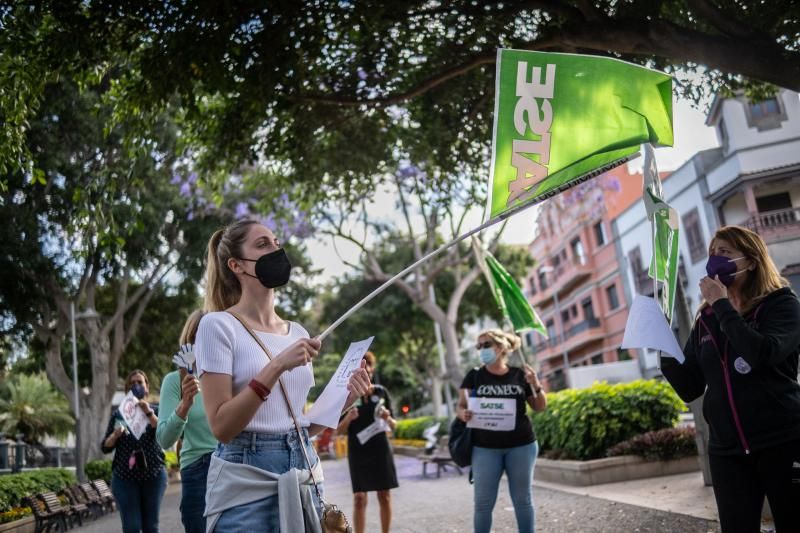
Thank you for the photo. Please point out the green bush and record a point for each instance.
(584, 423)
(14, 487)
(17, 513)
(100, 469)
(171, 460)
(662, 445)
(412, 428)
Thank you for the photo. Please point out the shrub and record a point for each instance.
(663, 445)
(416, 443)
(171, 460)
(14, 487)
(584, 423)
(100, 469)
(412, 428)
(15, 514)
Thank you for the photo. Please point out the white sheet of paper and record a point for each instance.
(133, 415)
(648, 328)
(379, 426)
(493, 414)
(328, 407)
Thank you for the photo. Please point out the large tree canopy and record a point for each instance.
(332, 90)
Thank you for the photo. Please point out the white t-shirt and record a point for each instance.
(224, 346)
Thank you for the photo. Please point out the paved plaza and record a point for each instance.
(445, 505)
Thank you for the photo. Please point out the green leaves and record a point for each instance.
(35, 409)
(583, 423)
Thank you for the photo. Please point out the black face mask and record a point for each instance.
(272, 269)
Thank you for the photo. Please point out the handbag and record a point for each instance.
(460, 442)
(459, 439)
(333, 519)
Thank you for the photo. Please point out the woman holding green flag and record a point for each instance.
(742, 357)
(511, 451)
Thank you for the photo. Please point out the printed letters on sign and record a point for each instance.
(539, 120)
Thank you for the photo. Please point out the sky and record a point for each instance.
(691, 136)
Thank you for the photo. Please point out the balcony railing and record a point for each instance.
(582, 326)
(774, 219)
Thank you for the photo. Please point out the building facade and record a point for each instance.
(593, 243)
(576, 285)
(751, 179)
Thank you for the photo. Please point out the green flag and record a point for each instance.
(508, 295)
(664, 226)
(563, 118)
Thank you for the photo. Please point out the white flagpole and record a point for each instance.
(492, 222)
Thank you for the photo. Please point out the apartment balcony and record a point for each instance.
(776, 226)
(565, 277)
(580, 327)
(575, 337)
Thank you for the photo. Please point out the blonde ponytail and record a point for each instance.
(222, 287)
(190, 327)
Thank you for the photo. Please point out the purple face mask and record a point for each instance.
(724, 267)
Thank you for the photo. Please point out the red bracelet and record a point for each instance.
(260, 389)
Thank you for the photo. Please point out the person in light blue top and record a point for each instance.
(185, 418)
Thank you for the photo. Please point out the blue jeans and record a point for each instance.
(193, 495)
(273, 453)
(139, 502)
(488, 465)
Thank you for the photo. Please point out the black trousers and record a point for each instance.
(741, 482)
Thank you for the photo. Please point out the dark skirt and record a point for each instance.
(372, 465)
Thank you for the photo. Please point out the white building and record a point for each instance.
(752, 179)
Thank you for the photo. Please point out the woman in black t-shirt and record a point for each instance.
(371, 462)
(511, 445)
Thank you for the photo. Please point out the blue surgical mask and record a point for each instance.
(138, 390)
(487, 355)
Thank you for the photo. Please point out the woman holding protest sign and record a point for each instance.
(138, 477)
(507, 441)
(369, 453)
(255, 371)
(743, 354)
(184, 418)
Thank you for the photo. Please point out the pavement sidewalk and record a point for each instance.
(681, 493)
(427, 504)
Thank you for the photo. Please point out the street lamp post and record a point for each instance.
(561, 337)
(89, 313)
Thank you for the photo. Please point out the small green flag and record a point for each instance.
(664, 223)
(508, 294)
(563, 118)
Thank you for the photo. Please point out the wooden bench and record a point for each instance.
(439, 456)
(93, 495)
(105, 493)
(78, 501)
(45, 521)
(54, 506)
(90, 497)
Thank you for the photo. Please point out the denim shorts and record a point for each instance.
(273, 453)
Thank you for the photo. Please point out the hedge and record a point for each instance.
(412, 428)
(14, 487)
(583, 423)
(171, 460)
(663, 445)
(100, 469)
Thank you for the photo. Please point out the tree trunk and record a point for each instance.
(436, 395)
(94, 421)
(452, 356)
